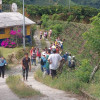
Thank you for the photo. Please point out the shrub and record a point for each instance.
(44, 19)
(70, 18)
(8, 44)
(16, 36)
(57, 29)
(20, 54)
(55, 17)
(84, 71)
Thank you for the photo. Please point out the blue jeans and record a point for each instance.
(69, 63)
(48, 71)
(33, 61)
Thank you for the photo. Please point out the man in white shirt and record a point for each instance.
(54, 60)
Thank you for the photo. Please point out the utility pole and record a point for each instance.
(23, 26)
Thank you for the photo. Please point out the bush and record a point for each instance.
(57, 29)
(8, 44)
(55, 17)
(44, 19)
(84, 71)
(20, 54)
(70, 18)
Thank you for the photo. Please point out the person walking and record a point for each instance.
(50, 33)
(31, 53)
(43, 64)
(38, 54)
(54, 60)
(65, 56)
(45, 34)
(26, 66)
(2, 66)
(69, 60)
(73, 62)
(41, 33)
(33, 58)
(47, 62)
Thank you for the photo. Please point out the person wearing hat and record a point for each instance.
(73, 62)
(2, 66)
(54, 60)
(69, 60)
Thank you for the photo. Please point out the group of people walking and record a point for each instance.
(49, 58)
(45, 34)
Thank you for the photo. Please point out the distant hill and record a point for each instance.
(48, 2)
(92, 3)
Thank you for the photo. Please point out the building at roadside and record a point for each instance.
(10, 20)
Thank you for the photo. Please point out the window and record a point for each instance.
(2, 31)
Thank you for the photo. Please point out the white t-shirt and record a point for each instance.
(54, 59)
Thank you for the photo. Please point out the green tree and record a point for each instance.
(93, 40)
(44, 19)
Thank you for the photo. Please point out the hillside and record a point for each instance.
(49, 2)
(92, 3)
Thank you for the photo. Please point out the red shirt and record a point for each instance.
(38, 54)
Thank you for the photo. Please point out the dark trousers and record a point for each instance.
(25, 72)
(2, 71)
(53, 73)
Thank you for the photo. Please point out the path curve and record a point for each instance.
(52, 94)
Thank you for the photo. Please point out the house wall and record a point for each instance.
(6, 34)
(7, 31)
(28, 30)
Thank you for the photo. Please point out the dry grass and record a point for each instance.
(19, 88)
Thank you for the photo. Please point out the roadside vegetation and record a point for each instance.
(19, 88)
(7, 51)
(85, 47)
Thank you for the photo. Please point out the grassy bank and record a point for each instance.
(74, 80)
(7, 51)
(19, 88)
(68, 82)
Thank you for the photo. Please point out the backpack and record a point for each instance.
(42, 62)
(72, 63)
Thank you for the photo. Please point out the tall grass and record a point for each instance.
(66, 81)
(19, 88)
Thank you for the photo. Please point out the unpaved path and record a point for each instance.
(5, 92)
(50, 93)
